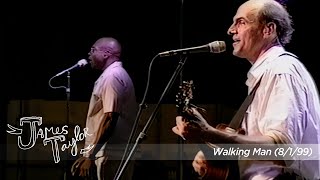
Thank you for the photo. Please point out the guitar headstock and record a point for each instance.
(184, 96)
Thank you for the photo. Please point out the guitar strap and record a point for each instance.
(232, 171)
(236, 121)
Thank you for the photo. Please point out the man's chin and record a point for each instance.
(237, 54)
(96, 67)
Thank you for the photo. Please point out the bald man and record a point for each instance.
(110, 116)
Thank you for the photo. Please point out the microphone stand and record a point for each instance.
(67, 112)
(68, 119)
(180, 140)
(147, 125)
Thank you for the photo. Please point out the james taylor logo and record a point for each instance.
(58, 135)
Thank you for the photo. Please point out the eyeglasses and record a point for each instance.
(94, 49)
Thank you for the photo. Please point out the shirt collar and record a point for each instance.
(114, 64)
(259, 67)
(111, 66)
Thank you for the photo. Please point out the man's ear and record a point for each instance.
(270, 28)
(106, 55)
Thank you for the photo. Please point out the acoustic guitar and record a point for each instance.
(217, 169)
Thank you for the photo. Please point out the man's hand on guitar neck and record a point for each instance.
(191, 128)
(197, 129)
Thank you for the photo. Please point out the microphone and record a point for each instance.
(213, 47)
(80, 63)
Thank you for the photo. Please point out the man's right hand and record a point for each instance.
(82, 166)
(200, 164)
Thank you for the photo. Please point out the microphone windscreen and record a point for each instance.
(217, 46)
(82, 62)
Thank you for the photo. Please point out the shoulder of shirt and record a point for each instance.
(285, 64)
(116, 71)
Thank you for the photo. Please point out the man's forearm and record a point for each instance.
(104, 133)
(217, 136)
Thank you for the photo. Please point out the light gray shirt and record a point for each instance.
(285, 107)
(113, 92)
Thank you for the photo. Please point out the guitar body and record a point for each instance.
(221, 169)
(216, 169)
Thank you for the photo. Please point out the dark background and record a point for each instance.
(41, 39)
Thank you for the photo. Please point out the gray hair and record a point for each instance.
(272, 11)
